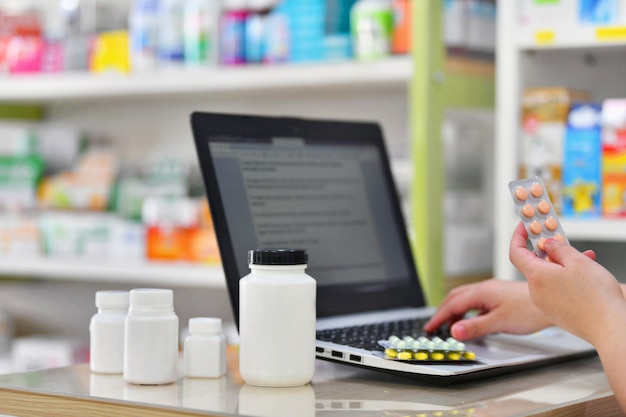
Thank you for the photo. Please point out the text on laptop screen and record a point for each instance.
(287, 193)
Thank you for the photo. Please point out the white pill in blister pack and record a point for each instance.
(536, 212)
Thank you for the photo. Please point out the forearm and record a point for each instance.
(610, 347)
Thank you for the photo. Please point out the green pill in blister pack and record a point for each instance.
(424, 349)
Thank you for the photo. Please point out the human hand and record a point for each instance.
(503, 306)
(570, 289)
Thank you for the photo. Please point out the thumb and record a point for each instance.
(558, 251)
(473, 327)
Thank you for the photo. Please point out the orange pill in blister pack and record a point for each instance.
(536, 212)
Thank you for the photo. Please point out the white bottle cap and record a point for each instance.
(205, 325)
(151, 211)
(188, 213)
(112, 299)
(262, 4)
(151, 297)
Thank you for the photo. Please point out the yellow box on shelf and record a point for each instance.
(611, 33)
(110, 53)
(544, 37)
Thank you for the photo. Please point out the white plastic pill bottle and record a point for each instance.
(277, 319)
(151, 338)
(204, 350)
(106, 332)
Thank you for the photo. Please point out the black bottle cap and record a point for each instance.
(277, 256)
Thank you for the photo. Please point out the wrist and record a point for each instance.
(610, 329)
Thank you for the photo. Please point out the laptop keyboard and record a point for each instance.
(367, 336)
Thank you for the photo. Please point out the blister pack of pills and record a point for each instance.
(536, 212)
(424, 349)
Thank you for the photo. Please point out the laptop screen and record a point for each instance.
(332, 195)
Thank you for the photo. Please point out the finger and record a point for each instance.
(519, 254)
(474, 327)
(442, 315)
(452, 309)
(590, 254)
(559, 252)
(439, 320)
(520, 236)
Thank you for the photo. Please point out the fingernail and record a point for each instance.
(458, 331)
(550, 242)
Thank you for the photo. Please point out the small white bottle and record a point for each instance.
(170, 43)
(151, 338)
(143, 31)
(205, 348)
(106, 332)
(277, 319)
(199, 25)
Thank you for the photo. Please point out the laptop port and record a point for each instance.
(337, 354)
(355, 358)
(319, 349)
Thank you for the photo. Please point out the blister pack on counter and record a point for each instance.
(424, 349)
(536, 212)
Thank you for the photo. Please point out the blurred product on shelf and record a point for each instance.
(62, 195)
(276, 38)
(74, 29)
(123, 36)
(401, 36)
(58, 145)
(467, 232)
(544, 121)
(570, 14)
(614, 158)
(201, 242)
(143, 27)
(162, 178)
(337, 37)
(582, 161)
(163, 219)
(40, 352)
(170, 43)
(455, 24)
(233, 32)
(578, 147)
(67, 234)
(110, 52)
(305, 29)
(19, 176)
(469, 26)
(21, 42)
(256, 32)
(176, 230)
(199, 33)
(86, 187)
(371, 22)
(19, 235)
(27, 152)
(179, 230)
(605, 12)
(481, 26)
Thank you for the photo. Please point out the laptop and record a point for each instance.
(326, 186)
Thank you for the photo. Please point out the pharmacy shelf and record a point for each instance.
(144, 273)
(600, 229)
(518, 69)
(246, 79)
(577, 37)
